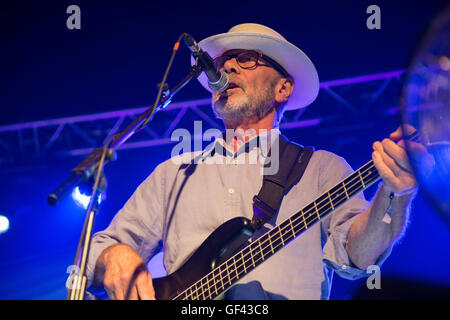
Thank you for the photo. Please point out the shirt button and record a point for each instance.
(230, 190)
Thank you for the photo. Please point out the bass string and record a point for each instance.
(268, 249)
(355, 176)
(266, 241)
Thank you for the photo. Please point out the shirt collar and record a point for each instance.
(224, 142)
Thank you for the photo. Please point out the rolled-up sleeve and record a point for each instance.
(335, 227)
(138, 224)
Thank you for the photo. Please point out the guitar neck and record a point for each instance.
(237, 266)
(226, 274)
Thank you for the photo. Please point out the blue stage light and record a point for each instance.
(4, 224)
(82, 199)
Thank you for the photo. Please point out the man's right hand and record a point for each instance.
(124, 274)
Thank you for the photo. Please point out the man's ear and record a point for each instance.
(284, 89)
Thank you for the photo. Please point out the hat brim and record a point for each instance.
(291, 58)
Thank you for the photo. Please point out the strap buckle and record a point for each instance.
(261, 213)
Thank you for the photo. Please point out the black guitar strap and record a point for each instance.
(293, 160)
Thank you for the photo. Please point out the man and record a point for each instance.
(178, 205)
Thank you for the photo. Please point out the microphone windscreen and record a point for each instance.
(221, 84)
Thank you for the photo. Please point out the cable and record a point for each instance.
(163, 82)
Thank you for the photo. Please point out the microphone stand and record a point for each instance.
(95, 162)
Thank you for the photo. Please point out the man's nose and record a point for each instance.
(231, 65)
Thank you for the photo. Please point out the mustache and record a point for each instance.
(236, 82)
(232, 83)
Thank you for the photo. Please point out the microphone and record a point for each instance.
(217, 80)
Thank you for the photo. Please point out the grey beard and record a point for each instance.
(258, 107)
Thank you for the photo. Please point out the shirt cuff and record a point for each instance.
(335, 255)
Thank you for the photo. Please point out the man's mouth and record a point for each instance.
(229, 89)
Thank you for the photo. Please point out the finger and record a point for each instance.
(416, 148)
(111, 293)
(111, 288)
(397, 153)
(144, 286)
(124, 289)
(383, 170)
(397, 134)
(132, 294)
(402, 130)
(116, 293)
(387, 160)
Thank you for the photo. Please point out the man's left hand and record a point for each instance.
(392, 162)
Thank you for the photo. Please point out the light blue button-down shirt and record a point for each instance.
(180, 204)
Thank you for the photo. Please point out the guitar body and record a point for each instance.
(218, 247)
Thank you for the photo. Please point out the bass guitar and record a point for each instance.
(227, 254)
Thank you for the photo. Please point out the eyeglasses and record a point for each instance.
(248, 59)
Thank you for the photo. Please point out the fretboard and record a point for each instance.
(237, 266)
(226, 274)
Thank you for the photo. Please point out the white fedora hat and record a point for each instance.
(254, 36)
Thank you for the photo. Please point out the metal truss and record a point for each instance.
(342, 102)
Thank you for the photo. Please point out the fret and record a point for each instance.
(360, 177)
(269, 237)
(292, 229)
(228, 272)
(243, 262)
(277, 238)
(353, 184)
(345, 190)
(221, 279)
(192, 292)
(371, 174)
(260, 250)
(230, 269)
(256, 253)
(338, 195)
(312, 213)
(217, 283)
(304, 220)
(213, 285)
(251, 256)
(317, 211)
(243, 257)
(235, 268)
(215, 279)
(205, 287)
(187, 292)
(200, 291)
(240, 268)
(286, 232)
(281, 238)
(331, 202)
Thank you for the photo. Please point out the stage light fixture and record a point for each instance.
(4, 224)
(82, 198)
